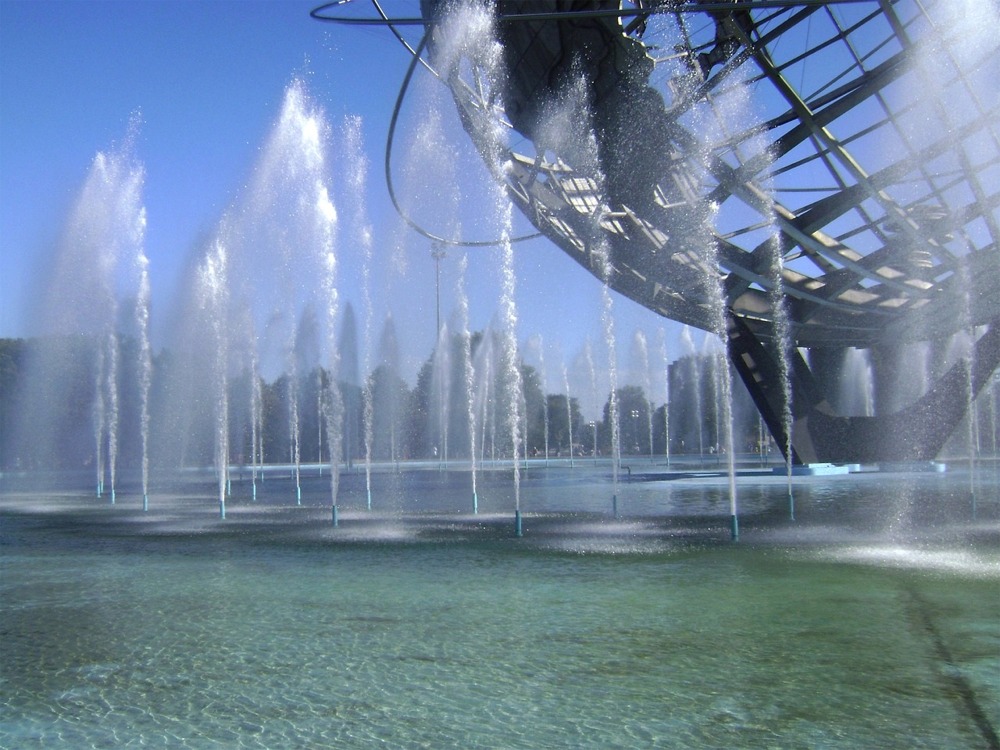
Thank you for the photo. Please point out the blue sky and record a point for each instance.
(208, 78)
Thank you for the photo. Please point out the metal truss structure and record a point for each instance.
(828, 172)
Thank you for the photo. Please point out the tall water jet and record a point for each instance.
(440, 413)
(256, 423)
(726, 398)
(783, 346)
(386, 417)
(468, 372)
(274, 245)
(947, 67)
(292, 402)
(569, 411)
(484, 369)
(608, 322)
(569, 125)
(694, 370)
(466, 31)
(641, 366)
(702, 220)
(288, 232)
(326, 217)
(361, 232)
(588, 358)
(350, 386)
(107, 395)
(99, 419)
(113, 409)
(712, 360)
(145, 366)
(536, 345)
(666, 394)
(733, 113)
(971, 415)
(714, 293)
(511, 370)
(663, 171)
(320, 411)
(93, 272)
(213, 295)
(728, 107)
(545, 401)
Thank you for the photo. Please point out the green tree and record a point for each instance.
(561, 420)
(391, 398)
(12, 363)
(633, 421)
(535, 407)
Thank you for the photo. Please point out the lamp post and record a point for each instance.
(635, 428)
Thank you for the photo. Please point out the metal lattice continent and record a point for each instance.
(873, 156)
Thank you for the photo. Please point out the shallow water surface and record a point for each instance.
(274, 629)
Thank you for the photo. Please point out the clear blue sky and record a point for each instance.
(208, 77)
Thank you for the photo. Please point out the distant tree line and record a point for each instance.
(49, 392)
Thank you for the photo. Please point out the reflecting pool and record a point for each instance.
(870, 620)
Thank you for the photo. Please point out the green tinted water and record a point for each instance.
(249, 639)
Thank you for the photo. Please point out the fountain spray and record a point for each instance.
(357, 175)
(666, 395)
(783, 347)
(468, 32)
(569, 411)
(214, 298)
(103, 234)
(642, 354)
(588, 357)
(145, 363)
(469, 374)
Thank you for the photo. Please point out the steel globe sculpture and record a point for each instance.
(802, 178)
